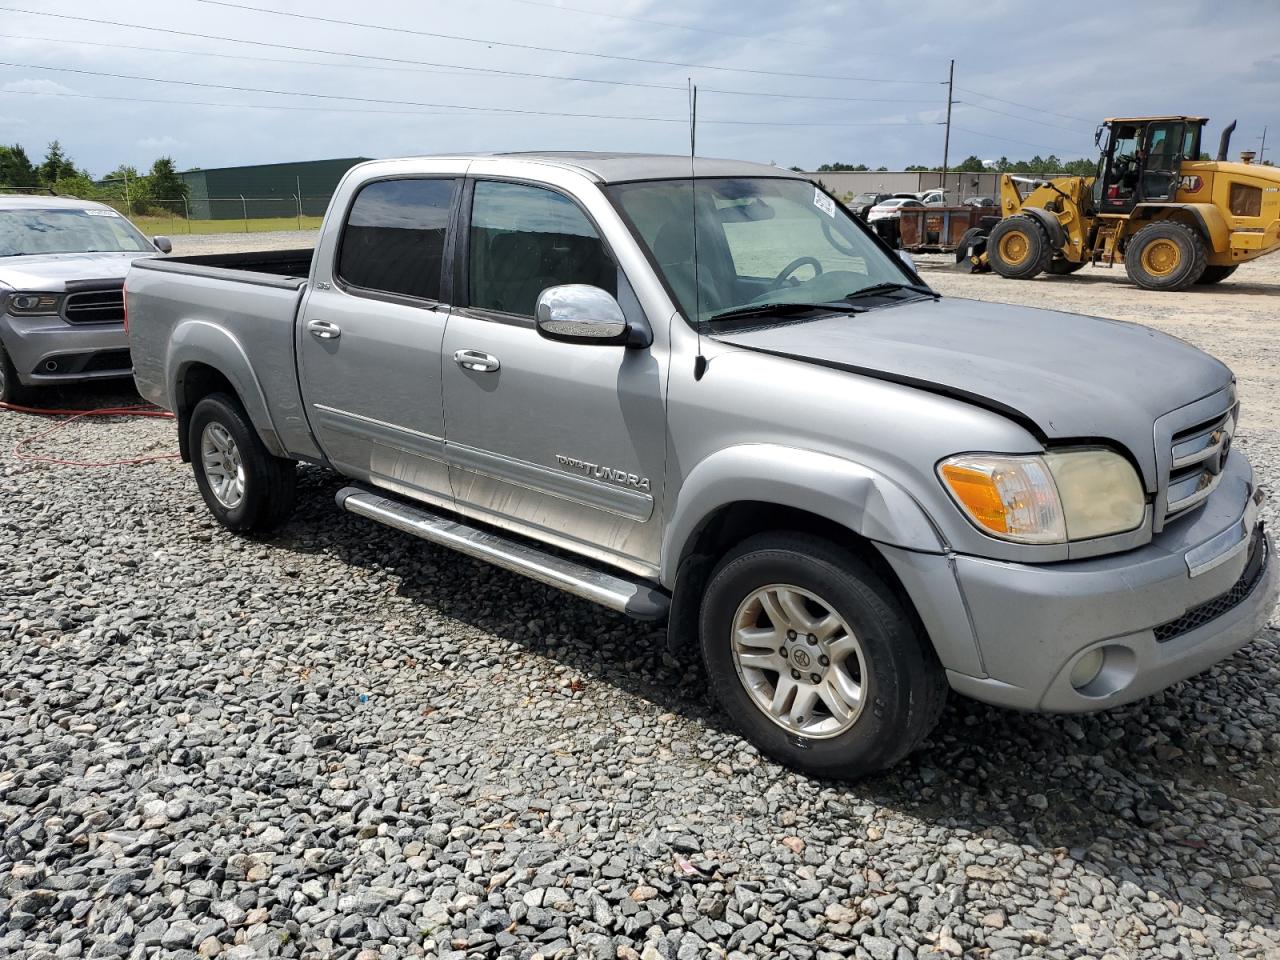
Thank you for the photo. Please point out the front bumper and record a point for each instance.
(48, 350)
(1155, 621)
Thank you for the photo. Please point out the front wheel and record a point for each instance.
(245, 487)
(11, 388)
(1019, 248)
(815, 660)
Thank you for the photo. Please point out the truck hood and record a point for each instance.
(50, 272)
(1063, 375)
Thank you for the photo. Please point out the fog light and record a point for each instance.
(1087, 668)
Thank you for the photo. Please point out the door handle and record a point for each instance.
(324, 330)
(477, 361)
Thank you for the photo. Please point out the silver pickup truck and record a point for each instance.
(710, 394)
(62, 264)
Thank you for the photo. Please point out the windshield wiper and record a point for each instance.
(783, 309)
(891, 286)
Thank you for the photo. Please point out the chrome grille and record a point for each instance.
(1197, 457)
(94, 306)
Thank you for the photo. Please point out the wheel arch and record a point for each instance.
(849, 495)
(205, 358)
(1206, 219)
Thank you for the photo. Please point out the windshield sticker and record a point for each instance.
(100, 213)
(824, 203)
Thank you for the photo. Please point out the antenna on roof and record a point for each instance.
(700, 361)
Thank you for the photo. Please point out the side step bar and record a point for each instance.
(634, 598)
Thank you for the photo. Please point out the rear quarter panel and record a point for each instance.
(243, 328)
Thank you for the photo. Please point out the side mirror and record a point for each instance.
(163, 244)
(905, 257)
(580, 313)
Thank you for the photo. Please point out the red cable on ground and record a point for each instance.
(140, 410)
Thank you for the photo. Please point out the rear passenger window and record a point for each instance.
(525, 239)
(394, 237)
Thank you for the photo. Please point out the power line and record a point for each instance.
(541, 49)
(1043, 123)
(1025, 106)
(437, 67)
(451, 106)
(675, 26)
(1025, 143)
(233, 106)
(446, 68)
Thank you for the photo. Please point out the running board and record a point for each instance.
(634, 598)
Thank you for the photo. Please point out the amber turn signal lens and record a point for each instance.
(977, 493)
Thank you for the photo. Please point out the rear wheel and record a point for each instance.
(246, 487)
(815, 660)
(1165, 256)
(11, 388)
(1019, 248)
(1216, 274)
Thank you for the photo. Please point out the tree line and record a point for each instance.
(973, 164)
(159, 189)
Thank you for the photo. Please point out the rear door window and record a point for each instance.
(394, 238)
(525, 239)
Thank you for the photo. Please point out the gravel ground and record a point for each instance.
(344, 742)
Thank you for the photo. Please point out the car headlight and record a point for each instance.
(1047, 498)
(34, 304)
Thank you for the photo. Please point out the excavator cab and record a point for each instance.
(1142, 159)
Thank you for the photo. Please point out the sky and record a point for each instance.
(863, 82)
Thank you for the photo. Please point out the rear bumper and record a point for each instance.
(48, 350)
(1154, 622)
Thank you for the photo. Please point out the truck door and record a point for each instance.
(562, 441)
(370, 332)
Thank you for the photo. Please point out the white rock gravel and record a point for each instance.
(343, 742)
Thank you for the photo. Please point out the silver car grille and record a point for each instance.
(1198, 454)
(94, 306)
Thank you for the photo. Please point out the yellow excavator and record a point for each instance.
(1171, 218)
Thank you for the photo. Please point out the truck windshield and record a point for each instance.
(66, 230)
(759, 241)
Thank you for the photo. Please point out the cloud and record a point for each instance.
(35, 86)
(161, 144)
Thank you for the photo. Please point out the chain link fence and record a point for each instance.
(223, 214)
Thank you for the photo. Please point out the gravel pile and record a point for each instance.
(344, 742)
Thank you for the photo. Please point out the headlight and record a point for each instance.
(34, 304)
(1047, 498)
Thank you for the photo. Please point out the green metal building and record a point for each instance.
(265, 190)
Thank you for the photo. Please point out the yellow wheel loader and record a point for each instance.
(1171, 218)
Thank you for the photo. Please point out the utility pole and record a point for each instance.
(1262, 150)
(946, 141)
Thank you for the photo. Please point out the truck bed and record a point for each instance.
(216, 306)
(272, 267)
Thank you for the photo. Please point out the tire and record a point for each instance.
(1216, 274)
(902, 686)
(12, 389)
(974, 237)
(1019, 248)
(1165, 255)
(259, 495)
(1061, 268)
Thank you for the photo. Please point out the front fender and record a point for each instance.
(1051, 224)
(850, 494)
(200, 342)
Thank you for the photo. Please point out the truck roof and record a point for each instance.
(606, 167)
(35, 201)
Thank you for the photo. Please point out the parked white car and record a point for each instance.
(892, 208)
